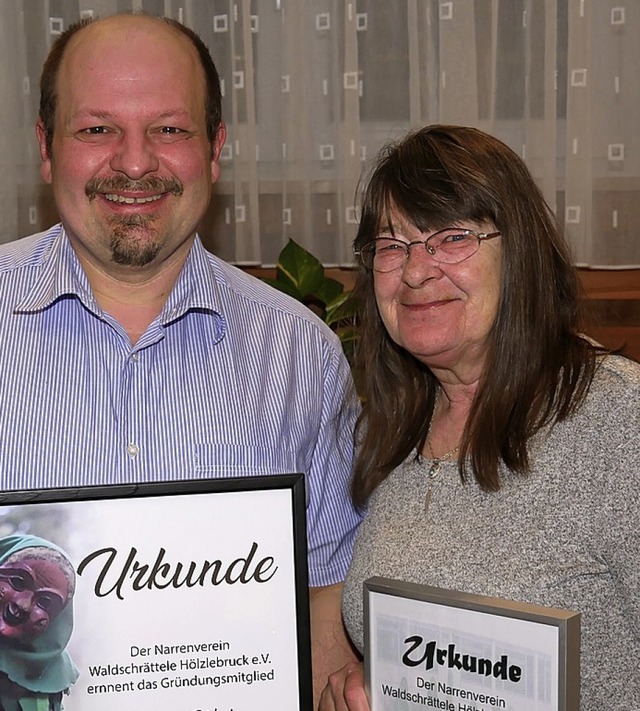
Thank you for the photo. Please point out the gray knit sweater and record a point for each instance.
(567, 535)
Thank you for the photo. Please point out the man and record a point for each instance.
(128, 353)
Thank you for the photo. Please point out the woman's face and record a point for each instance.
(442, 313)
(33, 592)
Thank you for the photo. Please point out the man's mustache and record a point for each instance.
(100, 186)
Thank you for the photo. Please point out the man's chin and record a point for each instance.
(133, 259)
(128, 250)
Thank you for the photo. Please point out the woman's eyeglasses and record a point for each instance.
(449, 246)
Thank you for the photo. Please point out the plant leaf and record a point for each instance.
(329, 290)
(342, 307)
(300, 269)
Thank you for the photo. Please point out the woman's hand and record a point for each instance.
(345, 690)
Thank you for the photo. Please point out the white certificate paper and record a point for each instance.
(427, 648)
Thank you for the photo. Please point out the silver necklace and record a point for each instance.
(434, 468)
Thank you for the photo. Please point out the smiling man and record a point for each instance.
(130, 354)
(131, 158)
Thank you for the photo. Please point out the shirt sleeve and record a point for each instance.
(332, 521)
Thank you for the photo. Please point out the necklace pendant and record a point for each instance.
(431, 475)
(427, 497)
(434, 469)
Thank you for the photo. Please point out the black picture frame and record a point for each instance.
(260, 524)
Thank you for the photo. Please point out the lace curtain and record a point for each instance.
(313, 88)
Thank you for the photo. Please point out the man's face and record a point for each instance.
(33, 592)
(131, 164)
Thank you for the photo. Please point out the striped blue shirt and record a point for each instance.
(233, 378)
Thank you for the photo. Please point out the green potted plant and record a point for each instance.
(302, 276)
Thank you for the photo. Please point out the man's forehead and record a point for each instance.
(127, 48)
(126, 31)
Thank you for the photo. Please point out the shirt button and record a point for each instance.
(133, 450)
(135, 357)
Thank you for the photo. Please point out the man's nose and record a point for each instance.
(134, 155)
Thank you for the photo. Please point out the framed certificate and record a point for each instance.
(187, 596)
(443, 649)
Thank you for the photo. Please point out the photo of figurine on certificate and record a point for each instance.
(182, 596)
(428, 647)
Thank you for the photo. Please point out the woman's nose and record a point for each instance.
(420, 265)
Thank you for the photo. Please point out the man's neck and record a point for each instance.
(135, 302)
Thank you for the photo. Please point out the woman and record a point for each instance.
(499, 449)
(37, 583)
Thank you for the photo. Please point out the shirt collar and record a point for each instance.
(195, 289)
(61, 274)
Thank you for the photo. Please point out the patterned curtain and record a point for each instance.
(313, 89)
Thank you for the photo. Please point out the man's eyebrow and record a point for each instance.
(90, 113)
(174, 113)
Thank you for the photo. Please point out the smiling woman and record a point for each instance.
(440, 302)
(498, 447)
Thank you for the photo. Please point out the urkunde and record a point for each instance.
(116, 574)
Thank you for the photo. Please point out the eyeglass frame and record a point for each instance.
(480, 236)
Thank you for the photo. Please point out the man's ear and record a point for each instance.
(45, 168)
(216, 149)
